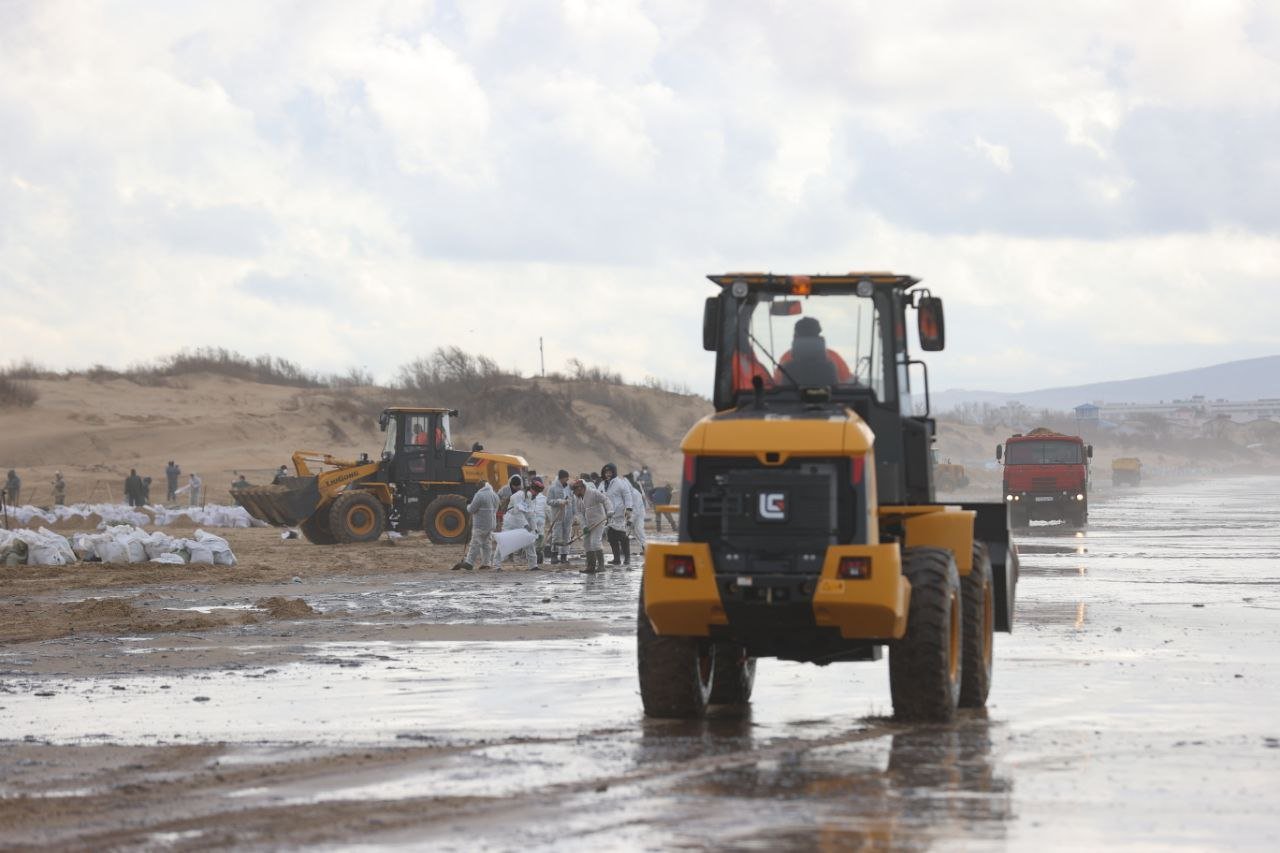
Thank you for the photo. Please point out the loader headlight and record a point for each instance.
(679, 566)
(854, 568)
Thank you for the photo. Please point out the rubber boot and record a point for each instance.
(462, 564)
(626, 552)
(590, 567)
(617, 550)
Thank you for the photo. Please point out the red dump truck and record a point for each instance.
(1046, 477)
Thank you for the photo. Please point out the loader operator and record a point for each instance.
(809, 362)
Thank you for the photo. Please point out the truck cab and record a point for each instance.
(1046, 477)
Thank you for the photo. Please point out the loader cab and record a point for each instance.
(811, 346)
(419, 445)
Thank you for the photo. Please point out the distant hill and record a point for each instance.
(1250, 379)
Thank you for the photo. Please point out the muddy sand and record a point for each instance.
(1135, 705)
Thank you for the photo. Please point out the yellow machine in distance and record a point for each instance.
(808, 525)
(420, 483)
(1126, 471)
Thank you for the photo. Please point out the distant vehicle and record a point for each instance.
(1126, 471)
(949, 477)
(1046, 477)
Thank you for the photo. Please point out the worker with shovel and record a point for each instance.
(594, 508)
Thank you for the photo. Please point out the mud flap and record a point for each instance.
(285, 504)
(991, 525)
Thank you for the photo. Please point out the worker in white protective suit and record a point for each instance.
(638, 517)
(593, 509)
(519, 516)
(538, 500)
(563, 505)
(621, 506)
(484, 521)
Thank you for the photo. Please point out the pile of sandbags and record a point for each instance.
(115, 544)
(40, 547)
(210, 515)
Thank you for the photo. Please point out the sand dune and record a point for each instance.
(95, 431)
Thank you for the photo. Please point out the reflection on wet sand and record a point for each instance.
(843, 792)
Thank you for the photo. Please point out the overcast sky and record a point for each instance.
(1094, 190)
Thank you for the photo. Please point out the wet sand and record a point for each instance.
(1137, 705)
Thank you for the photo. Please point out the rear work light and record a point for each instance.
(854, 568)
(679, 566)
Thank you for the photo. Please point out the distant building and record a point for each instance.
(1087, 413)
(1196, 410)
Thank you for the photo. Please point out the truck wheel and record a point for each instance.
(1082, 515)
(445, 520)
(735, 675)
(356, 517)
(979, 601)
(316, 529)
(676, 673)
(925, 665)
(1019, 517)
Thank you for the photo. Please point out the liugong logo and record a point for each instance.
(773, 506)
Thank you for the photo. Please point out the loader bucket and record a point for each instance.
(285, 504)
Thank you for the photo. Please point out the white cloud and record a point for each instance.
(353, 184)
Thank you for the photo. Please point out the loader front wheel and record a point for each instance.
(316, 529)
(979, 605)
(676, 673)
(925, 665)
(356, 517)
(735, 675)
(445, 520)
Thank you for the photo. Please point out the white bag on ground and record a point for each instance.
(510, 541)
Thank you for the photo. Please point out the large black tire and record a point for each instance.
(676, 673)
(1082, 515)
(356, 517)
(445, 520)
(925, 665)
(978, 597)
(316, 529)
(734, 676)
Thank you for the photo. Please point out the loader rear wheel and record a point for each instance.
(356, 517)
(445, 520)
(676, 673)
(734, 676)
(316, 529)
(925, 665)
(979, 604)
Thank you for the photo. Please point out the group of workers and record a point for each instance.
(137, 489)
(598, 505)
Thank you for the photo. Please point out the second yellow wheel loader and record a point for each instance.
(420, 483)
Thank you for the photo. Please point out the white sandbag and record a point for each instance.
(112, 551)
(169, 559)
(199, 554)
(510, 541)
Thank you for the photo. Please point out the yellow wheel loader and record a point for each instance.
(809, 529)
(420, 483)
